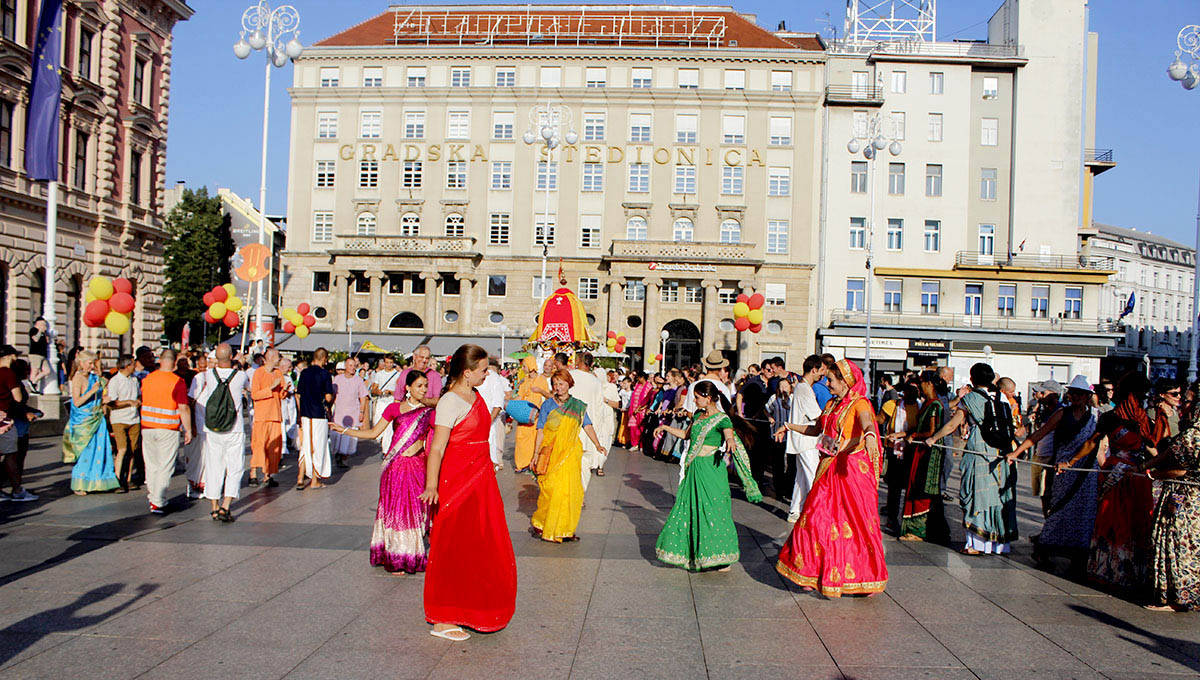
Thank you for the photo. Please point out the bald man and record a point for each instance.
(224, 450)
(422, 362)
(266, 432)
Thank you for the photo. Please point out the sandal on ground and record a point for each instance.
(599, 472)
(909, 537)
(1162, 608)
(968, 551)
(253, 481)
(216, 515)
(225, 515)
(301, 486)
(455, 634)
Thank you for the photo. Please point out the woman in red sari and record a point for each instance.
(471, 576)
(836, 546)
(639, 401)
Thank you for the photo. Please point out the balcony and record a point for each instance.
(853, 95)
(958, 322)
(968, 259)
(714, 252)
(420, 246)
(1099, 160)
(914, 48)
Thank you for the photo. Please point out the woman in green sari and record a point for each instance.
(699, 533)
(924, 516)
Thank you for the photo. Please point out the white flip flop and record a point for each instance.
(447, 634)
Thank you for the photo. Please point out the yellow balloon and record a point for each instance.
(101, 287)
(231, 289)
(233, 304)
(88, 297)
(612, 343)
(117, 323)
(294, 316)
(755, 316)
(217, 310)
(741, 309)
(302, 331)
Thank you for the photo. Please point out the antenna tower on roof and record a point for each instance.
(873, 21)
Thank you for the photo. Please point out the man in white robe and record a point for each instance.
(589, 390)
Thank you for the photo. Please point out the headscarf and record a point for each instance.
(529, 364)
(852, 375)
(1130, 410)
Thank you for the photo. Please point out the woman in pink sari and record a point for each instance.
(836, 546)
(639, 402)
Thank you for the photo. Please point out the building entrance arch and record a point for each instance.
(683, 344)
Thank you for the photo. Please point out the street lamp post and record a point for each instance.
(277, 31)
(871, 141)
(662, 365)
(1188, 75)
(549, 125)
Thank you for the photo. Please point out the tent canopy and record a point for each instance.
(562, 321)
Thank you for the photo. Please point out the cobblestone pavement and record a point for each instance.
(94, 587)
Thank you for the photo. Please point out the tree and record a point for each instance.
(197, 255)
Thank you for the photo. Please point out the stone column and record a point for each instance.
(348, 306)
(466, 315)
(430, 316)
(651, 326)
(709, 320)
(337, 297)
(616, 295)
(378, 280)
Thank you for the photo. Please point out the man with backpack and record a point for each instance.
(224, 433)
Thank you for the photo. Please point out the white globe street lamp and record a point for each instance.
(548, 125)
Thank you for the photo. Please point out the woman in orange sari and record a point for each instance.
(836, 546)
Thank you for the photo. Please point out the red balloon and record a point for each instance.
(756, 328)
(219, 294)
(289, 327)
(123, 285)
(208, 318)
(309, 320)
(208, 300)
(94, 313)
(658, 357)
(741, 324)
(756, 301)
(232, 319)
(303, 309)
(742, 297)
(121, 302)
(612, 334)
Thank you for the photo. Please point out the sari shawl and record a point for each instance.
(700, 445)
(526, 435)
(1120, 546)
(1176, 534)
(639, 399)
(923, 492)
(401, 519)
(1071, 515)
(86, 442)
(988, 490)
(559, 475)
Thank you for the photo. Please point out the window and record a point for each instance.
(1073, 307)
(686, 125)
(326, 174)
(937, 83)
(635, 290)
(410, 224)
(859, 124)
(589, 231)
(689, 78)
(502, 175)
(899, 124)
(414, 125)
(669, 291)
(497, 285)
(732, 180)
(368, 174)
(327, 125)
(320, 282)
(416, 76)
(683, 229)
(416, 285)
(456, 175)
(1006, 299)
(8, 19)
(896, 179)
(550, 76)
(777, 237)
(593, 127)
(781, 81)
(413, 175)
(779, 181)
(595, 76)
(450, 286)
(780, 131)
(639, 178)
(498, 226)
(733, 129)
(502, 124)
(370, 124)
(506, 76)
(685, 179)
(727, 296)
(731, 231)
(893, 292)
(639, 127)
(543, 229)
(139, 92)
(935, 127)
(365, 226)
(933, 236)
(1040, 302)
(84, 65)
(931, 291)
(460, 76)
(989, 131)
(858, 177)
(693, 295)
(636, 229)
(855, 292)
(641, 78)
(895, 234)
(987, 239)
(81, 160)
(456, 225)
(860, 84)
(973, 299)
(329, 76)
(372, 76)
(593, 177)
(547, 175)
(776, 294)
(987, 184)
(322, 227)
(135, 178)
(991, 87)
(933, 180)
(899, 82)
(858, 233)
(589, 288)
(458, 125)
(735, 79)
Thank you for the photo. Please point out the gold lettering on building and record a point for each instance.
(664, 157)
(736, 161)
(638, 149)
(412, 152)
(616, 154)
(661, 155)
(368, 152)
(569, 153)
(454, 152)
(708, 155)
(435, 152)
(685, 156)
(592, 154)
(346, 152)
(478, 154)
(390, 151)
(755, 158)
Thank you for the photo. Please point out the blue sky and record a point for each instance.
(1150, 121)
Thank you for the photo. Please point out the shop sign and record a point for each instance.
(665, 267)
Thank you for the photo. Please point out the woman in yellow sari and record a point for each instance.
(558, 461)
(533, 389)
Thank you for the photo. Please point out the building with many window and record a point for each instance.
(417, 209)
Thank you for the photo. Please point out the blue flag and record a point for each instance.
(41, 133)
(1128, 306)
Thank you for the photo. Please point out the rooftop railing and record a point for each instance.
(970, 258)
(983, 322)
(400, 245)
(931, 49)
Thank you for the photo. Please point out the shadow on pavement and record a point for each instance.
(65, 619)
(1165, 646)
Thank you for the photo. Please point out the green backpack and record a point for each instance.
(220, 411)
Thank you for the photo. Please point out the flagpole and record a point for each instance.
(48, 298)
(1195, 299)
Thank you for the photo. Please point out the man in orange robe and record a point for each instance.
(266, 436)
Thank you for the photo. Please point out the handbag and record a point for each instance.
(541, 460)
(522, 411)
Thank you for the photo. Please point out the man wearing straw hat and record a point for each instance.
(716, 368)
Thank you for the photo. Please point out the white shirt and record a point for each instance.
(689, 402)
(203, 389)
(805, 412)
(386, 380)
(124, 388)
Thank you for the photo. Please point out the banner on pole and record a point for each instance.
(45, 97)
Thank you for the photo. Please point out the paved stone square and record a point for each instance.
(94, 587)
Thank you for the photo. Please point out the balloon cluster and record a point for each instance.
(223, 306)
(748, 312)
(299, 320)
(654, 358)
(616, 342)
(109, 304)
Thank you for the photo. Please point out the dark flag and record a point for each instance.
(41, 133)
(1128, 306)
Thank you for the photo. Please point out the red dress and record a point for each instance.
(471, 577)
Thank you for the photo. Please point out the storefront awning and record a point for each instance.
(394, 343)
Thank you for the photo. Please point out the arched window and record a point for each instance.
(366, 224)
(410, 224)
(636, 229)
(455, 225)
(731, 231)
(406, 320)
(684, 229)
